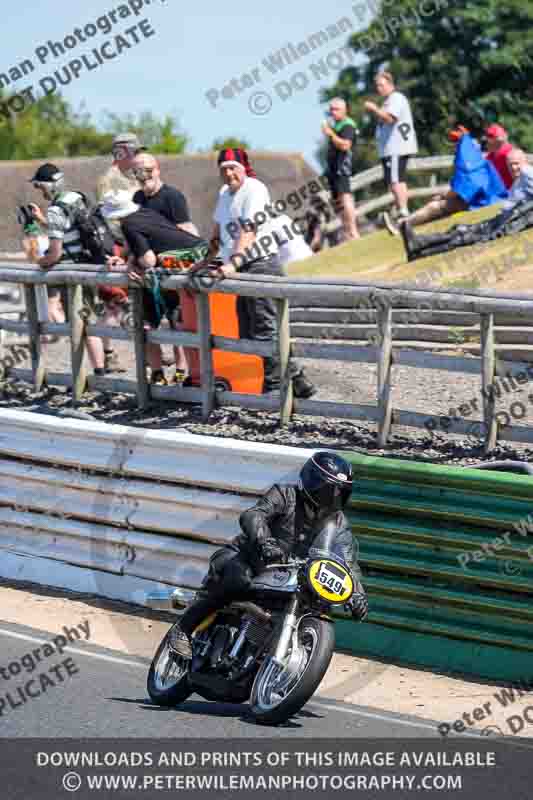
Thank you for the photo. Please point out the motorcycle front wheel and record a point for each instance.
(168, 678)
(281, 691)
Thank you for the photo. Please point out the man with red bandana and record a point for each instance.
(246, 240)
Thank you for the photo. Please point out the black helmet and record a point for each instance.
(326, 480)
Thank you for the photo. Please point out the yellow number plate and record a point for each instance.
(331, 581)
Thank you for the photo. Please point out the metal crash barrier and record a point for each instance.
(131, 514)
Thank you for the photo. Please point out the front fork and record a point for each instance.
(290, 624)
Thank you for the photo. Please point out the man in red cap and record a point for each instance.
(467, 193)
(499, 147)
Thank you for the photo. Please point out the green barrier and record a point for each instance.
(414, 523)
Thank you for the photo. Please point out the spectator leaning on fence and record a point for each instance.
(246, 241)
(65, 243)
(342, 136)
(119, 177)
(148, 234)
(395, 137)
(515, 216)
(171, 204)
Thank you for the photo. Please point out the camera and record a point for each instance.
(25, 216)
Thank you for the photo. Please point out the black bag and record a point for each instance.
(96, 237)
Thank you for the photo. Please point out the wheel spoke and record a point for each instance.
(275, 685)
(169, 670)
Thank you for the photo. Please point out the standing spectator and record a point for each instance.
(159, 196)
(171, 204)
(342, 134)
(241, 201)
(396, 138)
(119, 177)
(65, 245)
(499, 147)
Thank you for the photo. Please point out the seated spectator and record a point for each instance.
(475, 184)
(516, 215)
(498, 148)
(147, 235)
(322, 224)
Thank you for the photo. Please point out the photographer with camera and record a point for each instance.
(65, 244)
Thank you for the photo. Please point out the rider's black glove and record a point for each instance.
(272, 552)
(357, 606)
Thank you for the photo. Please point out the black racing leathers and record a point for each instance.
(280, 517)
(506, 223)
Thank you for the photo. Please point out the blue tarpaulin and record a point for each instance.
(474, 178)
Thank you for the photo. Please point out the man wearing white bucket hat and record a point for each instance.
(147, 234)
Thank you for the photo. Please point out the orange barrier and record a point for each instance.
(236, 372)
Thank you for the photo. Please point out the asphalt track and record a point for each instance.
(106, 697)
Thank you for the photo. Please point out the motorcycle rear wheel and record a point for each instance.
(168, 681)
(279, 694)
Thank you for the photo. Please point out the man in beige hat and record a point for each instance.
(119, 177)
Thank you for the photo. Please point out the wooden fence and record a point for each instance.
(319, 294)
(431, 164)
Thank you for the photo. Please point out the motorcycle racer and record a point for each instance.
(284, 522)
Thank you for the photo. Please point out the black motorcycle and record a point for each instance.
(272, 648)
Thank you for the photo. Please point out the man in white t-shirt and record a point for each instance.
(395, 137)
(247, 240)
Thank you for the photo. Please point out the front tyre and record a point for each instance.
(279, 692)
(168, 677)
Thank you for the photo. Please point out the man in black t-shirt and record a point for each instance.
(341, 132)
(158, 196)
(148, 234)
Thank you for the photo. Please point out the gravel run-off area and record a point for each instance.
(424, 390)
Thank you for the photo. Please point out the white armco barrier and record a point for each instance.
(123, 512)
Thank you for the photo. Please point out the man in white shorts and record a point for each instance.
(395, 137)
